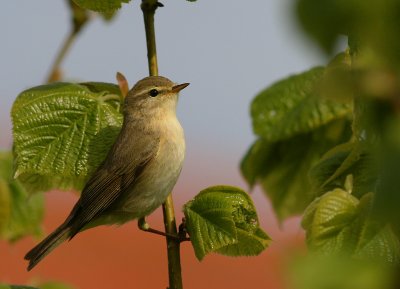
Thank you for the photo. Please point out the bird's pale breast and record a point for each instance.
(160, 175)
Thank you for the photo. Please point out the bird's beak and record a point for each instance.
(179, 87)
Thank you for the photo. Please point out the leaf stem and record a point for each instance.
(173, 245)
(55, 72)
(79, 19)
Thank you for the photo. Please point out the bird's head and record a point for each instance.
(153, 95)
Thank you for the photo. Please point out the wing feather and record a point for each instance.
(112, 178)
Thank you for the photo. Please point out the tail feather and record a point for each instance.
(41, 250)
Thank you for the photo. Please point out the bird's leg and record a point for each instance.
(144, 226)
(181, 237)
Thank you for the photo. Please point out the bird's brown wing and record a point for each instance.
(111, 179)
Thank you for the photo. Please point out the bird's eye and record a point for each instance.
(153, 92)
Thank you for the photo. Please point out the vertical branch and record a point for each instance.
(173, 245)
(149, 9)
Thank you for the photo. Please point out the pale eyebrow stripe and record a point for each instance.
(146, 90)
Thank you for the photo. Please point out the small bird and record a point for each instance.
(139, 171)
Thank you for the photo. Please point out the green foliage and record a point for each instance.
(292, 106)
(20, 214)
(339, 223)
(351, 158)
(105, 6)
(320, 272)
(62, 132)
(337, 83)
(282, 167)
(296, 127)
(353, 180)
(223, 219)
(326, 20)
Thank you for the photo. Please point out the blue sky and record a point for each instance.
(228, 51)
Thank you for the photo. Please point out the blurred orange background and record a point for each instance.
(125, 257)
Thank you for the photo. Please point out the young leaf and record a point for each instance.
(20, 214)
(223, 219)
(62, 132)
(255, 163)
(327, 166)
(291, 107)
(248, 244)
(351, 158)
(104, 6)
(209, 223)
(282, 167)
(251, 239)
(338, 223)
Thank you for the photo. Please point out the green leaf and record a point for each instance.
(255, 163)
(338, 223)
(104, 6)
(325, 21)
(291, 107)
(251, 239)
(321, 174)
(337, 82)
(248, 244)
(327, 220)
(351, 158)
(62, 132)
(282, 167)
(223, 219)
(20, 214)
(79, 16)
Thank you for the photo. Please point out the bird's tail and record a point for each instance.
(41, 250)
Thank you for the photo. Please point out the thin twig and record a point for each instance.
(55, 72)
(79, 19)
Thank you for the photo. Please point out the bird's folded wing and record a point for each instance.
(103, 189)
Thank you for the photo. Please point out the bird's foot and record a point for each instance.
(144, 226)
